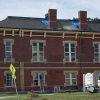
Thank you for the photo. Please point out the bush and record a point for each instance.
(30, 94)
(44, 99)
(35, 95)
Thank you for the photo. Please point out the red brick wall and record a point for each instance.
(53, 52)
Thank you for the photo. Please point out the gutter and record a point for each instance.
(81, 59)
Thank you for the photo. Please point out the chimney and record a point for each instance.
(52, 17)
(82, 15)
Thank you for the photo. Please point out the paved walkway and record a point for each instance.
(6, 97)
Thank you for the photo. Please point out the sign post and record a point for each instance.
(14, 77)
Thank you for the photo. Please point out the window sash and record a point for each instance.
(73, 78)
(39, 50)
(67, 78)
(70, 80)
(70, 55)
(43, 79)
(97, 52)
(8, 52)
(37, 81)
(9, 80)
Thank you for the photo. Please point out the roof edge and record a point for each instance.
(50, 30)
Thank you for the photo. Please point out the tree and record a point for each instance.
(88, 19)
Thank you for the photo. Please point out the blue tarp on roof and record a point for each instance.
(75, 23)
(45, 21)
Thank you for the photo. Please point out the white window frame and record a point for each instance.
(38, 79)
(70, 72)
(97, 52)
(8, 51)
(9, 80)
(70, 52)
(38, 52)
(70, 77)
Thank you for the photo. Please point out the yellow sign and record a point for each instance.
(14, 76)
(12, 69)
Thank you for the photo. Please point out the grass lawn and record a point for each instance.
(60, 96)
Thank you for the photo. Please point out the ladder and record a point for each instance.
(41, 85)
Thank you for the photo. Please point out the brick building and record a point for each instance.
(58, 50)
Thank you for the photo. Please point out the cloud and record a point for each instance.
(66, 9)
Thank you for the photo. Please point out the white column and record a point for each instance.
(84, 88)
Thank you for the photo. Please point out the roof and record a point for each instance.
(35, 24)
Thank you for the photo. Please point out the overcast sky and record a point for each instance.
(66, 9)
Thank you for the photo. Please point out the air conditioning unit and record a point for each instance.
(56, 89)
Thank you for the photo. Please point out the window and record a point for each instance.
(70, 52)
(8, 49)
(9, 80)
(97, 52)
(73, 76)
(97, 76)
(70, 78)
(38, 52)
(38, 79)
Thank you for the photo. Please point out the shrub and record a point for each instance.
(30, 94)
(44, 99)
(35, 95)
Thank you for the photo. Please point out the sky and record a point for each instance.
(66, 9)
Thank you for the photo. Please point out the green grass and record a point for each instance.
(60, 96)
